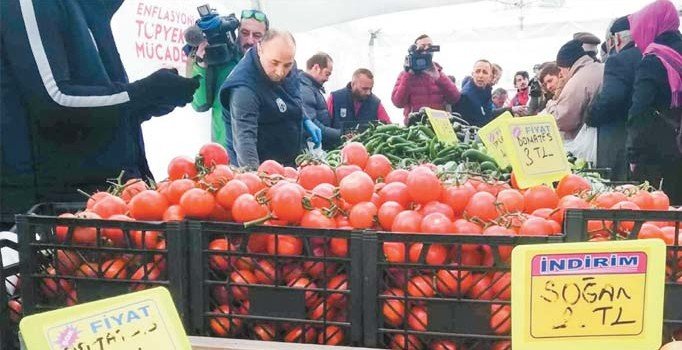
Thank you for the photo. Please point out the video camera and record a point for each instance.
(419, 60)
(218, 31)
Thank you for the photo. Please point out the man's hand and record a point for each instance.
(633, 167)
(520, 110)
(314, 131)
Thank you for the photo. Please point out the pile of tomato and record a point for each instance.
(363, 193)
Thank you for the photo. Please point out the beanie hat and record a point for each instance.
(569, 53)
(620, 25)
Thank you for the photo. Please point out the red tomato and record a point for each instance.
(115, 269)
(504, 250)
(145, 239)
(16, 310)
(540, 197)
(177, 188)
(220, 262)
(290, 173)
(88, 269)
(339, 283)
(643, 199)
(626, 205)
(423, 185)
(502, 285)
(502, 345)
(378, 166)
(82, 234)
(62, 232)
(356, 187)
(453, 283)
(96, 197)
(315, 219)
(312, 175)
(246, 208)
(264, 272)
(408, 221)
(284, 245)
(271, 167)
(287, 204)
(148, 205)
(608, 199)
(572, 184)
(650, 231)
(437, 254)
(457, 197)
(219, 176)
(354, 153)
(224, 326)
(396, 192)
(181, 167)
(323, 196)
(438, 207)
(338, 247)
(536, 227)
(110, 205)
(344, 170)
(264, 332)
(511, 201)
(568, 202)
(131, 188)
(387, 213)
(362, 215)
(252, 181)
(482, 206)
(481, 287)
(213, 154)
(402, 342)
(436, 223)
(421, 286)
(67, 261)
(394, 252)
(393, 309)
(149, 272)
(242, 277)
(397, 175)
(229, 193)
(500, 318)
(197, 203)
(296, 335)
(418, 319)
(311, 297)
(660, 200)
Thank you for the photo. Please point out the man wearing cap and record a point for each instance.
(583, 79)
(590, 43)
(610, 110)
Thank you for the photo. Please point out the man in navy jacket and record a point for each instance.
(70, 118)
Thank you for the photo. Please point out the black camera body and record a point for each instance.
(220, 35)
(419, 60)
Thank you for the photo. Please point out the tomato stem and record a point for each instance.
(258, 221)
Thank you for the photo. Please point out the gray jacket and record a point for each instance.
(315, 108)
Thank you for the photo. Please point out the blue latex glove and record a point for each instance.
(314, 131)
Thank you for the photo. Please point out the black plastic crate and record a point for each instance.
(583, 225)
(10, 301)
(66, 261)
(297, 289)
(439, 291)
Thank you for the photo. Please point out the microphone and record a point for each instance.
(194, 36)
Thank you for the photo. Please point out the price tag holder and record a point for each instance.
(491, 135)
(144, 320)
(440, 121)
(535, 150)
(588, 296)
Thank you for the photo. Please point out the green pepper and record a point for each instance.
(477, 156)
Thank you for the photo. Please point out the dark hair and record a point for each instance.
(321, 59)
(522, 73)
(488, 62)
(420, 38)
(548, 68)
(363, 71)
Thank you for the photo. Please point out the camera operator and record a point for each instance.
(537, 92)
(250, 30)
(423, 83)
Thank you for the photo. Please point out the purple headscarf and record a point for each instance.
(648, 23)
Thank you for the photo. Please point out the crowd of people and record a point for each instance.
(71, 118)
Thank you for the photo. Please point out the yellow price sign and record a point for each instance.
(491, 135)
(440, 121)
(588, 296)
(535, 150)
(144, 320)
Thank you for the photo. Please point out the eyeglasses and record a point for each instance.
(255, 14)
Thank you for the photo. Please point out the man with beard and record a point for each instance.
(252, 27)
(355, 105)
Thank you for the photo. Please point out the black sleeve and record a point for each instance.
(611, 103)
(650, 79)
(244, 111)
